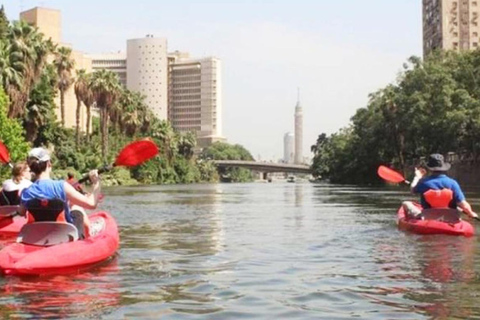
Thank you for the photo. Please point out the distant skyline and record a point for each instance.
(336, 52)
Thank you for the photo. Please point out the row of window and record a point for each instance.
(185, 91)
(187, 122)
(185, 85)
(185, 110)
(186, 116)
(185, 72)
(189, 97)
(186, 103)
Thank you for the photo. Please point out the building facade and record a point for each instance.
(288, 147)
(115, 62)
(48, 21)
(450, 25)
(147, 72)
(194, 97)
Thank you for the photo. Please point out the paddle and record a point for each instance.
(131, 155)
(391, 175)
(4, 155)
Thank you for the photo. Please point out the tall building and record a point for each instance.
(450, 25)
(298, 133)
(48, 21)
(288, 147)
(195, 100)
(147, 72)
(115, 62)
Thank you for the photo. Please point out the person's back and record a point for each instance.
(447, 191)
(46, 189)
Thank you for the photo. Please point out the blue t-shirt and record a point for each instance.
(47, 189)
(439, 182)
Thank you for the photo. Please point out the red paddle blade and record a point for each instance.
(390, 174)
(4, 156)
(136, 153)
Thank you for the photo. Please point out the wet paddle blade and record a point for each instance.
(4, 155)
(390, 174)
(136, 153)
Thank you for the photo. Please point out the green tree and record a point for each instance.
(11, 134)
(106, 88)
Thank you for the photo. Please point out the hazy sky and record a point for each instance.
(337, 52)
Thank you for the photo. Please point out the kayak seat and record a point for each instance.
(47, 234)
(441, 214)
(9, 198)
(45, 210)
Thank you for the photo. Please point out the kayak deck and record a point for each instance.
(24, 259)
(431, 226)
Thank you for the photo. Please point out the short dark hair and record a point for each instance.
(70, 175)
(37, 166)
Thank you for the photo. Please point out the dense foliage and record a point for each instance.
(34, 72)
(433, 107)
(224, 151)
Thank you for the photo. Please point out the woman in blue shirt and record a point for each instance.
(44, 189)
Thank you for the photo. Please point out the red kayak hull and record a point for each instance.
(10, 227)
(461, 228)
(23, 259)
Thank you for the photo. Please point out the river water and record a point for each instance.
(261, 251)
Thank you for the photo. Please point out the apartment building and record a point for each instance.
(195, 100)
(115, 62)
(450, 25)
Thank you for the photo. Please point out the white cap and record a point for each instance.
(40, 153)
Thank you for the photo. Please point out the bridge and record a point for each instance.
(264, 166)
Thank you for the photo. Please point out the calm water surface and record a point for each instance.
(261, 251)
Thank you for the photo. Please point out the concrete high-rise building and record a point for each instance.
(48, 22)
(195, 96)
(288, 147)
(147, 72)
(450, 25)
(115, 62)
(298, 133)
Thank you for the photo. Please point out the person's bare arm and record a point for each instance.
(88, 201)
(465, 206)
(22, 211)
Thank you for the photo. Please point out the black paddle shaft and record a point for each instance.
(100, 171)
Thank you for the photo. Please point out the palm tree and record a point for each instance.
(81, 91)
(28, 56)
(186, 144)
(64, 64)
(105, 87)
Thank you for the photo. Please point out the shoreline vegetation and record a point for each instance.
(34, 73)
(433, 107)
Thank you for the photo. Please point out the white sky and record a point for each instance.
(337, 52)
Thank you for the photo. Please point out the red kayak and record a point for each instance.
(433, 223)
(43, 258)
(10, 223)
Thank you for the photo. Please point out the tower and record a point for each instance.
(298, 131)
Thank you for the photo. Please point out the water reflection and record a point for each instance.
(86, 295)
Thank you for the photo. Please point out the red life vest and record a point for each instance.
(439, 198)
